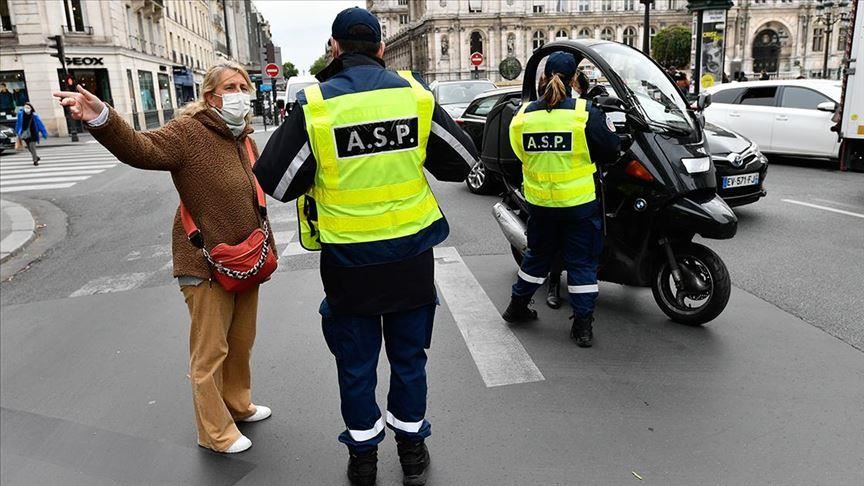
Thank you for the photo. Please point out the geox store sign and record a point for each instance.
(84, 61)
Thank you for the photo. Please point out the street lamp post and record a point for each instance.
(646, 28)
(829, 13)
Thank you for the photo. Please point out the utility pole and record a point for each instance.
(646, 27)
(68, 80)
(829, 13)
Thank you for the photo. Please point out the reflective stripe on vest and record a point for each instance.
(552, 146)
(370, 148)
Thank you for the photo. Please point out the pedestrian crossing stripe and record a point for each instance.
(40, 180)
(41, 168)
(6, 177)
(36, 187)
(56, 169)
(43, 160)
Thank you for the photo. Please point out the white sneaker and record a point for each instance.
(239, 445)
(261, 413)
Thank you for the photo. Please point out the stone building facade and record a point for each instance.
(145, 57)
(436, 37)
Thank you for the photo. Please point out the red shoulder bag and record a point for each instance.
(238, 267)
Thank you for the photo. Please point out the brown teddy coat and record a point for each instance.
(210, 170)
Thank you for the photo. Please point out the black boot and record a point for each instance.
(363, 468)
(414, 457)
(553, 298)
(518, 310)
(581, 330)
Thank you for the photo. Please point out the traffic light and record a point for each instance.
(57, 45)
(70, 82)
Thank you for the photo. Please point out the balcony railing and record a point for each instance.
(85, 30)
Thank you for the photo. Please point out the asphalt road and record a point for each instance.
(93, 355)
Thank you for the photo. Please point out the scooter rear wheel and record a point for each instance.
(689, 307)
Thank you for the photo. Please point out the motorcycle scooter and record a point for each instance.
(656, 197)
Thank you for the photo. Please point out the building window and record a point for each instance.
(5, 17)
(606, 5)
(538, 7)
(145, 82)
(384, 31)
(165, 92)
(841, 39)
(13, 94)
(584, 33)
(584, 6)
(818, 39)
(403, 2)
(607, 34)
(476, 42)
(671, 4)
(475, 6)
(74, 15)
(629, 4)
(539, 38)
(561, 6)
(562, 34)
(653, 32)
(403, 19)
(630, 36)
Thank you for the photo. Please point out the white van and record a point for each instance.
(293, 86)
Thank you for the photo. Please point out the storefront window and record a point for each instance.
(165, 97)
(145, 82)
(13, 94)
(132, 98)
(93, 80)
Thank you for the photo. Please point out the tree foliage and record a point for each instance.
(671, 46)
(289, 70)
(318, 65)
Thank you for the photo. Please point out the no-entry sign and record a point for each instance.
(271, 70)
(476, 58)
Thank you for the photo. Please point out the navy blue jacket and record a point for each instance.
(377, 277)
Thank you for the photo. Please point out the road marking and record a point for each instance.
(837, 203)
(825, 208)
(6, 177)
(40, 169)
(110, 284)
(294, 248)
(283, 236)
(38, 180)
(63, 160)
(36, 187)
(499, 355)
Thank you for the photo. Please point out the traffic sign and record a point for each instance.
(476, 58)
(272, 70)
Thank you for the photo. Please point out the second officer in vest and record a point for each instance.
(558, 139)
(355, 156)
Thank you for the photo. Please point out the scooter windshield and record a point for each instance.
(659, 100)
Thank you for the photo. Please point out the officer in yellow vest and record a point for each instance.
(354, 158)
(558, 138)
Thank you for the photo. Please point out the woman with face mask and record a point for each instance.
(205, 150)
(28, 127)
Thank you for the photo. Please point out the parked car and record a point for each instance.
(782, 117)
(7, 139)
(293, 86)
(740, 166)
(454, 96)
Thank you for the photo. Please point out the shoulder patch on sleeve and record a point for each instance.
(609, 124)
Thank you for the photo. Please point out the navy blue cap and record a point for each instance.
(562, 63)
(356, 16)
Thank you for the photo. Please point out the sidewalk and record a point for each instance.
(17, 228)
(66, 140)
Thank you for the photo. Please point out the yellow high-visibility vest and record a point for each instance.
(370, 148)
(556, 166)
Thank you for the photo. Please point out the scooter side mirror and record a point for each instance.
(704, 101)
(610, 104)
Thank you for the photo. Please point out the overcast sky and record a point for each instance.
(301, 27)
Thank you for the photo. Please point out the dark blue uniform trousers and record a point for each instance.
(355, 342)
(577, 233)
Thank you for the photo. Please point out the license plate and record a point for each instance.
(741, 180)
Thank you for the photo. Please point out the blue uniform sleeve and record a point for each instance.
(603, 143)
(286, 168)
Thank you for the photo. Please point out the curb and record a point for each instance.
(23, 229)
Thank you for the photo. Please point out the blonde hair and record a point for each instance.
(211, 82)
(553, 89)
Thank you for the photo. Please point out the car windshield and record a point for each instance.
(295, 88)
(660, 100)
(452, 93)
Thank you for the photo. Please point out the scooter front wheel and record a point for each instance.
(706, 289)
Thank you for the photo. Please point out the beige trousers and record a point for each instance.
(220, 349)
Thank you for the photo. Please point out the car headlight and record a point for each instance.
(697, 164)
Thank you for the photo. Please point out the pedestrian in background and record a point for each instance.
(205, 149)
(764, 76)
(28, 127)
(354, 154)
(559, 186)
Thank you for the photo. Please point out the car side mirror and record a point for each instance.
(828, 106)
(610, 104)
(704, 101)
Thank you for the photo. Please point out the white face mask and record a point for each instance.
(235, 107)
(27, 110)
